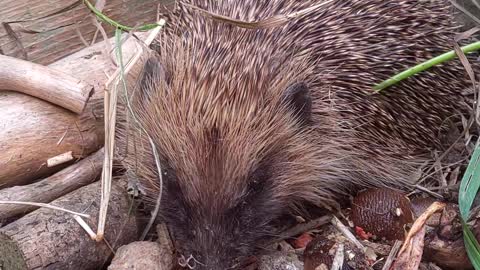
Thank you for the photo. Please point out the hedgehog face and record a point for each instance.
(221, 200)
(218, 232)
(230, 161)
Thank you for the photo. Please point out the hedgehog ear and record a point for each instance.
(297, 97)
(153, 72)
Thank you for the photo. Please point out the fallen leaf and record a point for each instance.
(302, 241)
(410, 254)
(362, 234)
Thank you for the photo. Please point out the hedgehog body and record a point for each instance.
(251, 124)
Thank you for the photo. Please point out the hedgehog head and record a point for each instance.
(234, 156)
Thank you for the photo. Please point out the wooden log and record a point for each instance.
(45, 83)
(94, 66)
(51, 188)
(46, 31)
(32, 130)
(46, 239)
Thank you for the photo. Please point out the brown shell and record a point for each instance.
(382, 212)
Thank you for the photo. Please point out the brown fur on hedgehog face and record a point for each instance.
(221, 238)
(230, 169)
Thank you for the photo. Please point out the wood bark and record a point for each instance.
(67, 180)
(46, 31)
(32, 130)
(46, 239)
(45, 83)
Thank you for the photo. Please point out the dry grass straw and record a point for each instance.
(48, 206)
(273, 21)
(110, 104)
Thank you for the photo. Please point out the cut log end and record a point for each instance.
(13, 256)
(47, 239)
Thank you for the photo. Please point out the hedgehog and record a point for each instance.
(234, 128)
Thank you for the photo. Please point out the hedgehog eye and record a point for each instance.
(297, 97)
(258, 180)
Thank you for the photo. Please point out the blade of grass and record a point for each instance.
(468, 191)
(117, 25)
(110, 107)
(110, 113)
(425, 65)
(470, 184)
(472, 246)
(148, 41)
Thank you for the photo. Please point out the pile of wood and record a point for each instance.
(55, 67)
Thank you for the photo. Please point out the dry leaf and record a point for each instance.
(273, 21)
(410, 254)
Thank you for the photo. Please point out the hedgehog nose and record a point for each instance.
(215, 264)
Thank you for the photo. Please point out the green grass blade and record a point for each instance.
(425, 65)
(472, 246)
(117, 25)
(470, 184)
(119, 56)
(468, 191)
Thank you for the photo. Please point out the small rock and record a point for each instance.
(321, 252)
(142, 256)
(280, 261)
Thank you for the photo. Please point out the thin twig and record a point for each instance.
(110, 101)
(304, 227)
(15, 38)
(160, 189)
(85, 226)
(79, 34)
(339, 258)
(475, 2)
(45, 205)
(393, 253)
(346, 232)
(117, 25)
(273, 21)
(108, 46)
(426, 190)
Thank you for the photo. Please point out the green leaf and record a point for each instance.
(470, 184)
(468, 191)
(473, 248)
